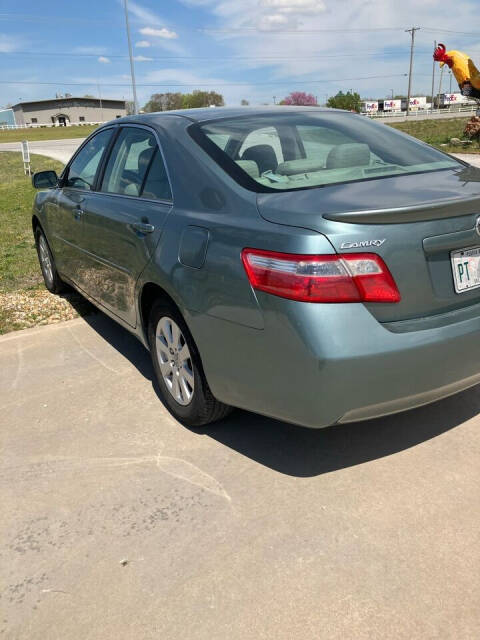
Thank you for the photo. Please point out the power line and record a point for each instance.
(203, 84)
(30, 16)
(36, 18)
(463, 33)
(163, 58)
(296, 31)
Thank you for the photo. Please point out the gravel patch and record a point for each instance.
(34, 307)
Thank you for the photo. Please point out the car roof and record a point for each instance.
(210, 113)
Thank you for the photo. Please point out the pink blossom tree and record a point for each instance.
(300, 98)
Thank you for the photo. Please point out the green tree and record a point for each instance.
(202, 99)
(244, 103)
(348, 101)
(164, 102)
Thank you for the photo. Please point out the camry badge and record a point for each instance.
(377, 243)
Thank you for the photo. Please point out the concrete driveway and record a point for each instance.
(117, 522)
(61, 150)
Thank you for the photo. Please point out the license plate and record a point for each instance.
(466, 269)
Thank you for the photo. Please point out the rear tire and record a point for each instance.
(52, 280)
(183, 385)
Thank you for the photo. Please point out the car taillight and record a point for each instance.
(353, 277)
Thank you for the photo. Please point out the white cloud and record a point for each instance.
(104, 60)
(143, 44)
(159, 33)
(142, 59)
(294, 6)
(274, 21)
(144, 15)
(7, 43)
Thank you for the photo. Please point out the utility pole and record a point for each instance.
(392, 93)
(433, 75)
(100, 98)
(132, 70)
(440, 87)
(274, 99)
(412, 32)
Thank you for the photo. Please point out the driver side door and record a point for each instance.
(66, 223)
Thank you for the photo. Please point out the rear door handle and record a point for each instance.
(142, 227)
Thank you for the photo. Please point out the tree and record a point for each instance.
(202, 99)
(87, 95)
(300, 98)
(244, 103)
(164, 102)
(348, 101)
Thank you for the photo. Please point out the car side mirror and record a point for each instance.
(45, 179)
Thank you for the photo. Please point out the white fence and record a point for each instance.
(423, 113)
(5, 127)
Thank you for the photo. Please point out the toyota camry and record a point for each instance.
(303, 263)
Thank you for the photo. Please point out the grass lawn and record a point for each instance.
(24, 301)
(47, 133)
(438, 132)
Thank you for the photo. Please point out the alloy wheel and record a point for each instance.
(45, 260)
(175, 360)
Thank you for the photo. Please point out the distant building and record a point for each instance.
(65, 111)
(6, 117)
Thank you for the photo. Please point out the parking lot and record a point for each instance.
(119, 522)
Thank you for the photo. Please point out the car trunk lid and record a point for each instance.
(413, 222)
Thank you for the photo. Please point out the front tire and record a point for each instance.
(183, 385)
(52, 280)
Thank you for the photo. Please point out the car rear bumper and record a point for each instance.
(317, 365)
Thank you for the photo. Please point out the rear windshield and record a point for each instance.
(300, 150)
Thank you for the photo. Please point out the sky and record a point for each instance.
(258, 50)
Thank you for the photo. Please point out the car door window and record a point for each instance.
(156, 185)
(129, 161)
(83, 169)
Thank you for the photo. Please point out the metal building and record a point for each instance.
(65, 111)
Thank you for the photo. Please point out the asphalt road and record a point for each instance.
(119, 523)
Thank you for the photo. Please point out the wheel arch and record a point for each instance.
(150, 293)
(36, 223)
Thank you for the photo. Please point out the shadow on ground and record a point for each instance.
(301, 452)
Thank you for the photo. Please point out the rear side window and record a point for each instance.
(136, 167)
(81, 173)
(156, 185)
(129, 162)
